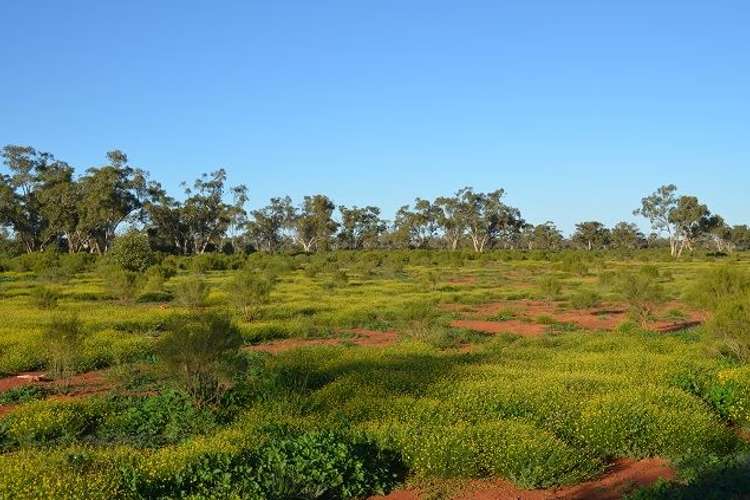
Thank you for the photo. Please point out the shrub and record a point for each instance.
(642, 294)
(63, 338)
(201, 353)
(730, 325)
(132, 252)
(585, 299)
(550, 286)
(248, 290)
(44, 297)
(716, 286)
(191, 292)
(121, 284)
(150, 421)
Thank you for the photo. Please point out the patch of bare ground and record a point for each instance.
(362, 337)
(462, 280)
(77, 386)
(623, 477)
(513, 326)
(603, 318)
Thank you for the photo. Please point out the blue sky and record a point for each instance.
(576, 108)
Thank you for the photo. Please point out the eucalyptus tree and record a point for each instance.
(544, 236)
(591, 235)
(110, 195)
(266, 225)
(451, 219)
(360, 228)
(485, 216)
(417, 227)
(312, 224)
(626, 235)
(207, 216)
(20, 205)
(691, 220)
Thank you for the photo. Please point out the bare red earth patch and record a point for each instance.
(362, 337)
(26, 378)
(622, 478)
(514, 326)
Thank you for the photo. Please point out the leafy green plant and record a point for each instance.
(202, 354)
(642, 294)
(730, 325)
(63, 338)
(248, 291)
(132, 252)
(44, 297)
(551, 287)
(191, 292)
(585, 299)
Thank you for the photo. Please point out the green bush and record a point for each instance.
(248, 291)
(44, 297)
(191, 292)
(550, 286)
(132, 252)
(730, 325)
(63, 338)
(151, 421)
(716, 286)
(202, 354)
(585, 299)
(642, 294)
(121, 284)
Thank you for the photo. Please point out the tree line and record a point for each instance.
(44, 204)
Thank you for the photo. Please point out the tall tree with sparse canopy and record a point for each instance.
(591, 235)
(312, 224)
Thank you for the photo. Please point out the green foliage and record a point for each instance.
(249, 290)
(642, 293)
(132, 252)
(152, 421)
(63, 338)
(191, 292)
(22, 394)
(730, 325)
(121, 284)
(550, 286)
(585, 299)
(716, 286)
(44, 297)
(201, 353)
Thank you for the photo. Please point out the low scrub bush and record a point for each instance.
(642, 294)
(249, 290)
(44, 297)
(730, 326)
(63, 338)
(585, 299)
(191, 292)
(202, 354)
(716, 286)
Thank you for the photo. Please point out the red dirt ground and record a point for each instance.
(605, 317)
(513, 326)
(362, 337)
(83, 384)
(622, 478)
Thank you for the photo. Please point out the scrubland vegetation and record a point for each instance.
(260, 376)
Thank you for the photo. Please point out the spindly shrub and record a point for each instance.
(730, 325)
(63, 337)
(248, 290)
(585, 299)
(44, 297)
(642, 294)
(716, 286)
(201, 353)
(191, 292)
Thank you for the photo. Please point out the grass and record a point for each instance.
(441, 403)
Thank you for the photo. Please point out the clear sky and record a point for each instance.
(576, 108)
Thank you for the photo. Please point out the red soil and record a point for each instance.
(362, 337)
(83, 384)
(464, 280)
(514, 326)
(604, 318)
(622, 478)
